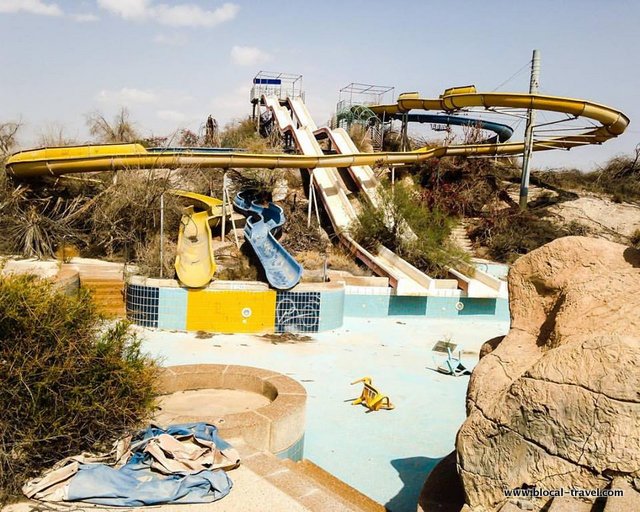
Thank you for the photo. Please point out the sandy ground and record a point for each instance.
(605, 218)
(207, 402)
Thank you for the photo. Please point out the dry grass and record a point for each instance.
(148, 256)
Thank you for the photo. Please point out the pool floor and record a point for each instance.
(386, 454)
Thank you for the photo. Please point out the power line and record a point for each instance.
(513, 76)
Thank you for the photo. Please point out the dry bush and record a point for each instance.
(261, 181)
(243, 265)
(515, 232)
(70, 383)
(618, 178)
(8, 138)
(121, 129)
(311, 260)
(127, 214)
(338, 259)
(54, 135)
(296, 236)
(37, 228)
(148, 256)
(243, 134)
(360, 137)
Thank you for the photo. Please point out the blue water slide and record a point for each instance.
(502, 131)
(282, 270)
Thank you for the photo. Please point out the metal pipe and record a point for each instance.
(528, 133)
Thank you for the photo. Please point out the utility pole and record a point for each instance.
(528, 133)
(161, 233)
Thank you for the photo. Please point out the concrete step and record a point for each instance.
(460, 238)
(338, 487)
(101, 283)
(292, 479)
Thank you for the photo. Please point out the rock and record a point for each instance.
(556, 404)
(442, 491)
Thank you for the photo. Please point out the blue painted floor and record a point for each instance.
(386, 454)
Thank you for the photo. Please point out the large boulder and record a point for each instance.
(557, 403)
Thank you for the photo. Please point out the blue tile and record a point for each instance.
(407, 306)
(331, 310)
(472, 306)
(368, 306)
(172, 309)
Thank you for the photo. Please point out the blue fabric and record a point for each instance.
(135, 484)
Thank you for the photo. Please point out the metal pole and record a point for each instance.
(528, 133)
(233, 222)
(224, 205)
(310, 198)
(315, 204)
(161, 233)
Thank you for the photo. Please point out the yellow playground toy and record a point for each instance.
(371, 397)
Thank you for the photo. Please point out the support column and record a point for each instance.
(528, 133)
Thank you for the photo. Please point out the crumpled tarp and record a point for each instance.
(179, 464)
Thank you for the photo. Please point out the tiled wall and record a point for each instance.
(142, 305)
(260, 311)
(230, 311)
(297, 312)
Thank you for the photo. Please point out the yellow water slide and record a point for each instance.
(195, 264)
(610, 123)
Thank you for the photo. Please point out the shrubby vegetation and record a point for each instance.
(619, 178)
(408, 227)
(68, 381)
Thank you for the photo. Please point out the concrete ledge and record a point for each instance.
(272, 428)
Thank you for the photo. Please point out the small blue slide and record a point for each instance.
(282, 270)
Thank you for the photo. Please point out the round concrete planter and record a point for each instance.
(273, 428)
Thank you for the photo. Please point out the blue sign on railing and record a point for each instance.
(267, 81)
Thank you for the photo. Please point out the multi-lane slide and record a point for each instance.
(281, 269)
(403, 276)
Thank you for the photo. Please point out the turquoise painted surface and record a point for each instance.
(295, 452)
(407, 306)
(366, 306)
(172, 309)
(502, 310)
(499, 270)
(331, 310)
(442, 307)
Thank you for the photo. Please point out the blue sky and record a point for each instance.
(173, 63)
